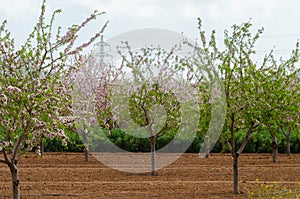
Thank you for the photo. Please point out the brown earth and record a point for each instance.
(65, 175)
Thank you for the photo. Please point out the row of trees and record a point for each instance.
(260, 97)
(46, 86)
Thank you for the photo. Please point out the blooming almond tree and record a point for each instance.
(160, 93)
(93, 83)
(241, 79)
(141, 103)
(33, 93)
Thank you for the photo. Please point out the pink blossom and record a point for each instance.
(66, 119)
(38, 123)
(3, 112)
(4, 99)
(13, 89)
(69, 36)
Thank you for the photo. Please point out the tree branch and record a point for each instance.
(246, 139)
(232, 126)
(17, 145)
(6, 159)
(228, 144)
(3, 161)
(23, 152)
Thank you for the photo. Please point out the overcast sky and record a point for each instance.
(279, 18)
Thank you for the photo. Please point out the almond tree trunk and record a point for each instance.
(15, 179)
(12, 164)
(42, 148)
(287, 136)
(236, 173)
(86, 155)
(153, 140)
(288, 141)
(86, 149)
(236, 157)
(275, 149)
(288, 145)
(274, 146)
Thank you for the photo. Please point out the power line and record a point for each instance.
(272, 36)
(282, 51)
(281, 36)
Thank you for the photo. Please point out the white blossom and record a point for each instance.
(64, 142)
(38, 151)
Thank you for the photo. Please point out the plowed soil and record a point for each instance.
(66, 175)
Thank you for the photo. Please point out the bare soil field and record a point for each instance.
(66, 175)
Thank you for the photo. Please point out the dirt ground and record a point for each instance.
(65, 175)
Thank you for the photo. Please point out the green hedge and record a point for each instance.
(74, 143)
(258, 143)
